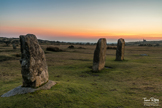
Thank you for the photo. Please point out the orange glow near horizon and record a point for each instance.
(80, 34)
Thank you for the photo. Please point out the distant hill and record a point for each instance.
(145, 43)
(46, 42)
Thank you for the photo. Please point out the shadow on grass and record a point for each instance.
(91, 73)
(125, 60)
(81, 59)
(106, 67)
(94, 73)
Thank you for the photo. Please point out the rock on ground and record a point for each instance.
(24, 90)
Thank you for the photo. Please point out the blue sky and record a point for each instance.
(82, 20)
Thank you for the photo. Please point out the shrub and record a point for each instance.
(112, 47)
(81, 48)
(71, 46)
(18, 55)
(55, 49)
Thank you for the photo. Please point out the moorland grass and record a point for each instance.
(124, 85)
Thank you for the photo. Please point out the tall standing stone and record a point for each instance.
(33, 62)
(120, 49)
(99, 55)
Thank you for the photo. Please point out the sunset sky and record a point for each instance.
(82, 20)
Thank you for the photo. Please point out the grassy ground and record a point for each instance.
(124, 85)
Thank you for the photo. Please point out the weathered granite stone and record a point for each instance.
(33, 62)
(14, 46)
(120, 49)
(24, 90)
(99, 55)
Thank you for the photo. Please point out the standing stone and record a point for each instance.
(120, 49)
(99, 55)
(33, 62)
(14, 46)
